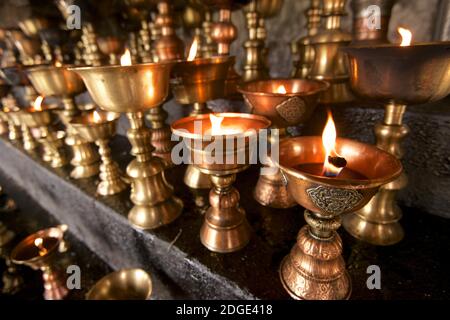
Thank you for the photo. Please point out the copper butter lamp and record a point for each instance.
(40, 251)
(286, 102)
(196, 81)
(315, 269)
(133, 89)
(397, 76)
(100, 127)
(60, 82)
(225, 227)
(125, 284)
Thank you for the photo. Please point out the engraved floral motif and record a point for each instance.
(292, 109)
(333, 200)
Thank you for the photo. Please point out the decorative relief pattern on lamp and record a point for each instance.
(334, 201)
(292, 109)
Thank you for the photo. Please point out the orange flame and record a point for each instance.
(281, 89)
(329, 143)
(38, 242)
(406, 37)
(125, 59)
(58, 64)
(96, 117)
(37, 105)
(193, 50)
(217, 129)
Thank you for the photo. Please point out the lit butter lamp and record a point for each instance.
(328, 177)
(396, 76)
(42, 118)
(125, 284)
(225, 227)
(16, 117)
(100, 127)
(286, 102)
(56, 80)
(133, 89)
(196, 81)
(40, 251)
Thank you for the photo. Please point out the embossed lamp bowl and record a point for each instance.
(92, 131)
(378, 166)
(185, 128)
(51, 80)
(132, 88)
(410, 75)
(200, 80)
(126, 284)
(283, 109)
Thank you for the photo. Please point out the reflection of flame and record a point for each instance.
(58, 64)
(125, 59)
(193, 50)
(406, 37)
(281, 89)
(217, 129)
(38, 242)
(96, 116)
(37, 103)
(329, 143)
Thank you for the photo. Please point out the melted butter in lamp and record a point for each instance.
(39, 243)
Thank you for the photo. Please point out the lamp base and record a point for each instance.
(225, 228)
(54, 285)
(195, 179)
(315, 269)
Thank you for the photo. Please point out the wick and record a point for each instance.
(338, 162)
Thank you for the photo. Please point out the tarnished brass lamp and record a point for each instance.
(315, 269)
(133, 89)
(397, 76)
(225, 227)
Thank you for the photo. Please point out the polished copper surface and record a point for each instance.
(127, 88)
(225, 227)
(315, 269)
(200, 80)
(407, 75)
(283, 109)
(125, 284)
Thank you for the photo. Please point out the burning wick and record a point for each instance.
(58, 64)
(38, 242)
(193, 50)
(406, 37)
(217, 129)
(333, 163)
(281, 89)
(37, 105)
(125, 59)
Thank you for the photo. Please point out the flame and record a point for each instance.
(96, 117)
(193, 50)
(38, 242)
(58, 64)
(406, 37)
(125, 59)
(217, 129)
(281, 89)
(37, 105)
(329, 142)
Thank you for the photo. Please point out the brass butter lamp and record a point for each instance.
(125, 284)
(396, 76)
(225, 227)
(40, 252)
(100, 127)
(196, 81)
(315, 269)
(133, 89)
(286, 102)
(60, 82)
